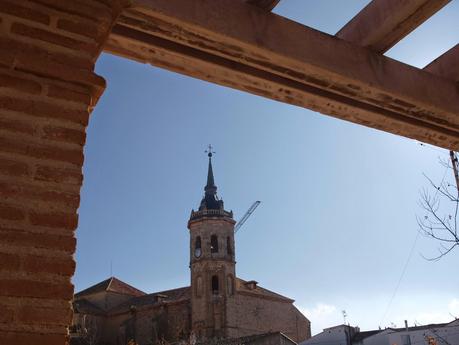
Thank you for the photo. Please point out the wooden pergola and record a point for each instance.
(245, 46)
(48, 49)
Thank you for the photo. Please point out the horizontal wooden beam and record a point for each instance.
(383, 23)
(267, 5)
(447, 65)
(236, 45)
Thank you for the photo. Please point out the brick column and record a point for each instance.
(47, 90)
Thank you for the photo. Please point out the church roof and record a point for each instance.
(243, 286)
(111, 284)
(174, 295)
(83, 306)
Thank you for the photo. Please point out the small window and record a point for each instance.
(215, 285)
(213, 244)
(197, 247)
(229, 250)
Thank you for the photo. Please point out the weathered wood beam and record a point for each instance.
(236, 45)
(383, 23)
(267, 5)
(447, 65)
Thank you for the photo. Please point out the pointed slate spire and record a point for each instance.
(210, 187)
(210, 200)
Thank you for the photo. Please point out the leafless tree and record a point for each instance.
(440, 203)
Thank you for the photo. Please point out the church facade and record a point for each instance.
(216, 305)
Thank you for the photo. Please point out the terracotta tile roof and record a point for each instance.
(174, 295)
(112, 285)
(241, 286)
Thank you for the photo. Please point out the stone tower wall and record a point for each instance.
(209, 307)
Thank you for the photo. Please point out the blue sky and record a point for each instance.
(339, 201)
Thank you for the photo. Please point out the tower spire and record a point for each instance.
(210, 200)
(210, 187)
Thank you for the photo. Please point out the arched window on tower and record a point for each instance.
(215, 285)
(213, 244)
(229, 250)
(197, 247)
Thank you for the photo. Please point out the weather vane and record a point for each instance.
(209, 150)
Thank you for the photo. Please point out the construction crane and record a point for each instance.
(246, 216)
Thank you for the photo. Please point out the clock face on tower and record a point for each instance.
(197, 252)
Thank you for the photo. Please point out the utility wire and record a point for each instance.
(400, 279)
(407, 262)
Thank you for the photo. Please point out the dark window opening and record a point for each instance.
(228, 246)
(215, 285)
(213, 244)
(197, 247)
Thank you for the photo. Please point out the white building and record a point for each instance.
(434, 334)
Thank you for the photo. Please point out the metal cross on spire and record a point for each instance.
(209, 151)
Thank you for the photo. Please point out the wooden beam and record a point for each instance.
(236, 45)
(267, 5)
(383, 23)
(447, 65)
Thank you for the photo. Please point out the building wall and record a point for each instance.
(256, 314)
(209, 308)
(446, 335)
(338, 335)
(149, 324)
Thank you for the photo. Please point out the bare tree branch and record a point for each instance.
(435, 201)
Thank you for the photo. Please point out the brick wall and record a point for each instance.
(47, 89)
(255, 315)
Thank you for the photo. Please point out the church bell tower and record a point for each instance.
(212, 262)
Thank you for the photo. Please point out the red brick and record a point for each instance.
(35, 264)
(10, 167)
(49, 265)
(51, 37)
(65, 134)
(81, 8)
(40, 315)
(9, 262)
(38, 240)
(11, 213)
(6, 314)
(41, 151)
(38, 289)
(30, 192)
(81, 28)
(18, 54)
(20, 84)
(69, 176)
(44, 109)
(16, 126)
(68, 95)
(54, 220)
(23, 338)
(24, 12)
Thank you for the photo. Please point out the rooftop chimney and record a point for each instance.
(406, 325)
